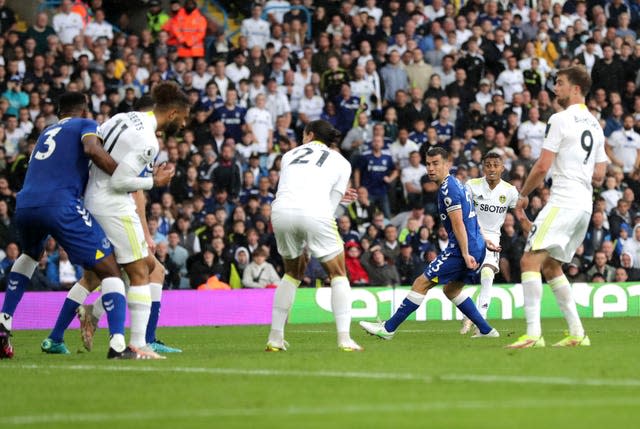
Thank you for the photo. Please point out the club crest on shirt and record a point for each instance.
(502, 199)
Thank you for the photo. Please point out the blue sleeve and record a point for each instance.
(392, 165)
(453, 197)
(88, 126)
(362, 163)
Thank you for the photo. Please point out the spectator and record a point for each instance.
(601, 267)
(178, 256)
(623, 146)
(259, 273)
(171, 271)
(187, 30)
(379, 271)
(357, 274)
(375, 171)
(61, 272)
(66, 23)
(393, 76)
(156, 17)
(255, 29)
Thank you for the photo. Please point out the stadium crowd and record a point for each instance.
(395, 77)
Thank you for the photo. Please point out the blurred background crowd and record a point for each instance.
(395, 77)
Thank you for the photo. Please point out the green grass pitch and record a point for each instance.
(428, 376)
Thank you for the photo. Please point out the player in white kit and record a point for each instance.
(130, 138)
(492, 197)
(313, 181)
(574, 151)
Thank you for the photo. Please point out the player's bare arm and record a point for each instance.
(459, 230)
(96, 153)
(599, 173)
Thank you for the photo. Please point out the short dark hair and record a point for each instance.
(71, 101)
(577, 75)
(435, 151)
(168, 94)
(491, 155)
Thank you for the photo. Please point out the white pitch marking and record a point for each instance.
(530, 403)
(426, 378)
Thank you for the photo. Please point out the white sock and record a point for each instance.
(484, 297)
(282, 302)
(139, 303)
(532, 290)
(564, 296)
(341, 307)
(98, 309)
(77, 293)
(6, 321)
(156, 292)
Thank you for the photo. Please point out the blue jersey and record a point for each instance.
(233, 121)
(58, 169)
(449, 266)
(373, 169)
(445, 132)
(419, 138)
(346, 110)
(209, 104)
(454, 196)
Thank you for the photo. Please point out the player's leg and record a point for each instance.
(291, 247)
(453, 291)
(89, 322)
(156, 280)
(325, 244)
(413, 300)
(138, 301)
(576, 224)
(487, 275)
(86, 243)
(76, 296)
(283, 301)
(32, 239)
(561, 288)
(531, 264)
(334, 265)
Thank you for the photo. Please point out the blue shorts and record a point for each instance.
(71, 225)
(449, 266)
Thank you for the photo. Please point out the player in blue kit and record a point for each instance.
(457, 263)
(50, 203)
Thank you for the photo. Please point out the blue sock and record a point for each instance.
(469, 309)
(408, 306)
(153, 322)
(67, 313)
(16, 285)
(115, 305)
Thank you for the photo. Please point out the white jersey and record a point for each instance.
(533, 135)
(129, 138)
(492, 205)
(309, 173)
(576, 137)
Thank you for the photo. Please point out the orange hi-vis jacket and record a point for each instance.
(187, 32)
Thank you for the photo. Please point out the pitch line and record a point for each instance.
(420, 407)
(467, 378)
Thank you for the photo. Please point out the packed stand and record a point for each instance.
(396, 78)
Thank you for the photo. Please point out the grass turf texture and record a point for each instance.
(428, 376)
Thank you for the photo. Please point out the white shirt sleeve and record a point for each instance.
(553, 134)
(127, 178)
(601, 155)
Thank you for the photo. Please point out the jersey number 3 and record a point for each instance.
(50, 143)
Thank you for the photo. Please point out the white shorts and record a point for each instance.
(294, 232)
(126, 235)
(493, 259)
(559, 231)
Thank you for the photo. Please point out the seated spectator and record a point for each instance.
(178, 256)
(355, 271)
(408, 265)
(259, 273)
(573, 273)
(315, 275)
(171, 269)
(379, 271)
(601, 267)
(61, 272)
(626, 262)
(241, 259)
(344, 229)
